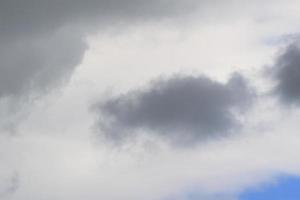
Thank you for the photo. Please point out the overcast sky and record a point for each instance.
(148, 100)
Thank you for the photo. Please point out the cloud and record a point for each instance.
(182, 109)
(286, 72)
(41, 42)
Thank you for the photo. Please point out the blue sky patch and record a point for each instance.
(285, 188)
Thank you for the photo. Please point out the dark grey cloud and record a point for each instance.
(42, 41)
(286, 72)
(183, 109)
(38, 63)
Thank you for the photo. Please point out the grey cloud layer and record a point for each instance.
(33, 15)
(287, 74)
(41, 42)
(182, 109)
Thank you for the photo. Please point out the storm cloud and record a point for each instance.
(286, 72)
(183, 110)
(41, 42)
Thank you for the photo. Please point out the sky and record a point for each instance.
(149, 100)
(283, 188)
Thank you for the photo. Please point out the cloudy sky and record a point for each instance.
(149, 100)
